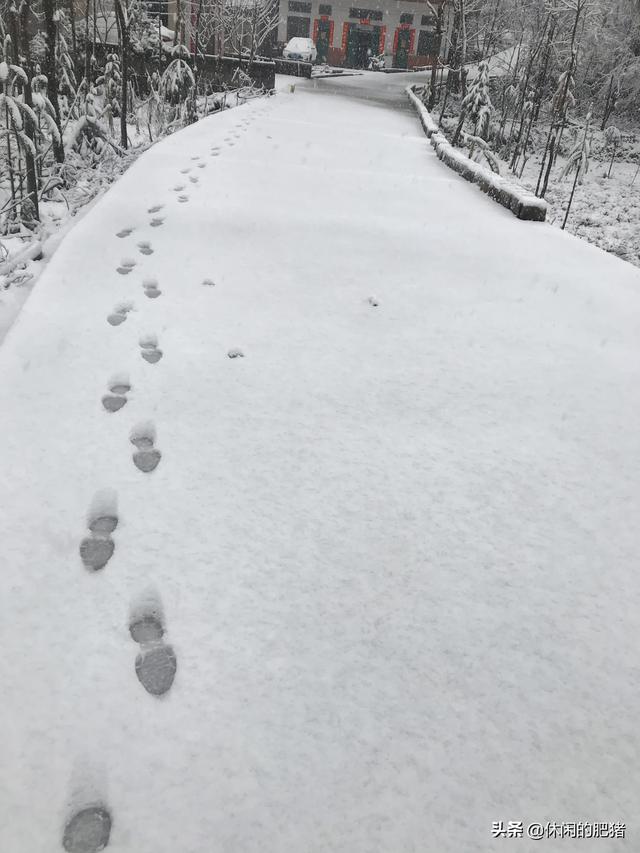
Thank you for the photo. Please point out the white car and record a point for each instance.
(301, 49)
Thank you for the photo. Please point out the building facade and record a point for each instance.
(404, 31)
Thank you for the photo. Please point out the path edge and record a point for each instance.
(516, 199)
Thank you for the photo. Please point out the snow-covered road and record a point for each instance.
(393, 546)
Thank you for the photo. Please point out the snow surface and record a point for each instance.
(393, 547)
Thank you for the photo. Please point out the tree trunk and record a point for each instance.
(87, 42)
(123, 27)
(606, 105)
(23, 39)
(434, 67)
(463, 47)
(52, 72)
(573, 189)
(74, 43)
(453, 75)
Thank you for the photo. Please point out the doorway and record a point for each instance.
(401, 59)
(323, 39)
(362, 43)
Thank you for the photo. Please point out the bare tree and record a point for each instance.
(51, 70)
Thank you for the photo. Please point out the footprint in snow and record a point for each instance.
(150, 286)
(97, 549)
(235, 353)
(209, 282)
(183, 198)
(119, 387)
(185, 171)
(178, 188)
(156, 221)
(156, 663)
(373, 301)
(126, 265)
(119, 313)
(215, 153)
(202, 165)
(196, 157)
(87, 830)
(149, 349)
(125, 232)
(145, 247)
(156, 208)
(194, 179)
(146, 458)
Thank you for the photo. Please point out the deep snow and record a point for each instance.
(393, 547)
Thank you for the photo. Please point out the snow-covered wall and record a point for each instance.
(518, 200)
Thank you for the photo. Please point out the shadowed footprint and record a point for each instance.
(156, 668)
(215, 154)
(97, 549)
(208, 282)
(194, 179)
(145, 247)
(119, 313)
(151, 289)
(146, 458)
(103, 524)
(178, 188)
(88, 830)
(146, 629)
(96, 553)
(149, 349)
(116, 399)
(125, 232)
(185, 171)
(196, 157)
(113, 402)
(156, 663)
(183, 198)
(156, 208)
(126, 265)
(156, 221)
(235, 353)
(202, 165)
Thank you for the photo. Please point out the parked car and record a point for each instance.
(301, 49)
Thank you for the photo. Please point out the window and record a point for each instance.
(365, 14)
(428, 43)
(325, 9)
(297, 27)
(297, 6)
(406, 18)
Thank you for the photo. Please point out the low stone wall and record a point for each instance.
(516, 199)
(215, 71)
(293, 68)
(219, 71)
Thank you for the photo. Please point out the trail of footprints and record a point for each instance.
(88, 829)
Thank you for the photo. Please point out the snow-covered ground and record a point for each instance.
(392, 543)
